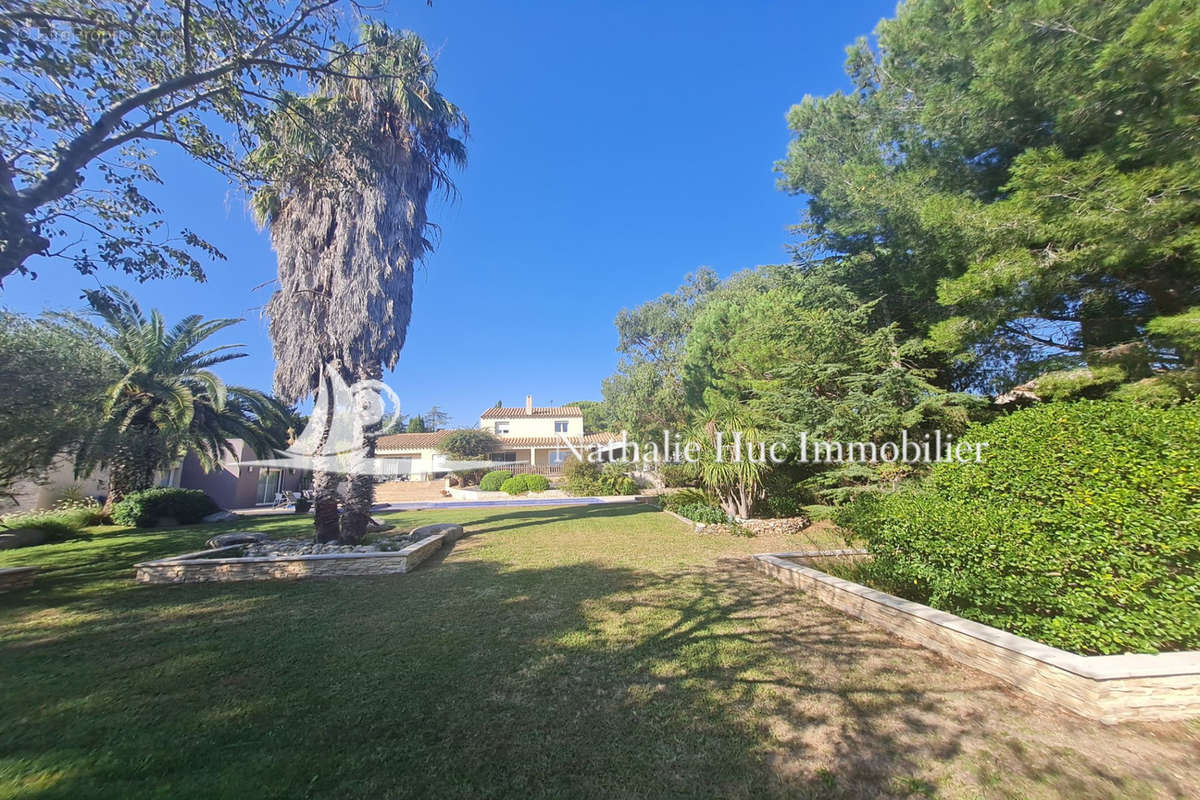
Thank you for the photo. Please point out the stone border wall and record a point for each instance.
(14, 578)
(1135, 687)
(199, 567)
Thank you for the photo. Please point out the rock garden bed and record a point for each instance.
(251, 556)
(747, 527)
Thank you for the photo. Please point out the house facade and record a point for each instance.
(233, 484)
(533, 439)
(230, 484)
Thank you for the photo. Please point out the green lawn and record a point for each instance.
(567, 652)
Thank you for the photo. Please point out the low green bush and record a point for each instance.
(491, 481)
(702, 512)
(64, 521)
(144, 509)
(818, 512)
(1080, 528)
(50, 524)
(685, 497)
(536, 483)
(581, 477)
(585, 479)
(514, 485)
(676, 476)
(519, 484)
(781, 505)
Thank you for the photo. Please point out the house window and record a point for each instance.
(505, 455)
(560, 426)
(501, 428)
(268, 486)
(558, 457)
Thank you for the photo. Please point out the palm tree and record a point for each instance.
(348, 224)
(165, 401)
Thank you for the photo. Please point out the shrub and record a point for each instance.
(702, 512)
(1079, 529)
(584, 478)
(675, 476)
(491, 482)
(53, 526)
(536, 483)
(782, 505)
(64, 521)
(513, 485)
(581, 477)
(687, 497)
(466, 477)
(144, 509)
(819, 513)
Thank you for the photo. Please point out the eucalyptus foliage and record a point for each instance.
(88, 87)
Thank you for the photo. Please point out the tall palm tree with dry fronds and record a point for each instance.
(348, 223)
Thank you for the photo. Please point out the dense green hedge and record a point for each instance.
(63, 522)
(144, 509)
(695, 505)
(1080, 529)
(676, 476)
(587, 479)
(702, 512)
(491, 482)
(520, 484)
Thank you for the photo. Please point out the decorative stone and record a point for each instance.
(321, 561)
(451, 532)
(221, 516)
(236, 537)
(776, 525)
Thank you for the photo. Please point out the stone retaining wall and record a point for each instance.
(200, 567)
(1107, 688)
(14, 578)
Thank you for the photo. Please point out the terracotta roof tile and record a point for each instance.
(424, 441)
(556, 441)
(410, 441)
(538, 411)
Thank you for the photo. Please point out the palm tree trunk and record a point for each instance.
(324, 482)
(132, 466)
(357, 515)
(325, 505)
(360, 495)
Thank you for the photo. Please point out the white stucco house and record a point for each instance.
(534, 438)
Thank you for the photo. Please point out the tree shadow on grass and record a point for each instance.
(535, 517)
(476, 679)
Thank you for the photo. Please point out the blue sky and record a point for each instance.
(614, 148)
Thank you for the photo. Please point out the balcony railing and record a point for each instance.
(534, 469)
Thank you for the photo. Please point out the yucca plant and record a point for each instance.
(736, 482)
(166, 400)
